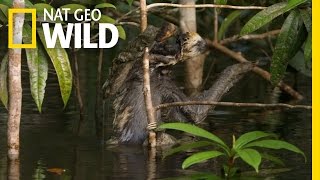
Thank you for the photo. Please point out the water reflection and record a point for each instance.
(49, 149)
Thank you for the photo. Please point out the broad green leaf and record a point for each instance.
(38, 68)
(41, 6)
(249, 137)
(250, 156)
(308, 49)
(3, 18)
(105, 5)
(191, 129)
(227, 22)
(276, 144)
(4, 9)
(186, 147)
(306, 17)
(265, 16)
(3, 81)
(283, 48)
(298, 63)
(200, 157)
(122, 32)
(130, 2)
(73, 7)
(106, 19)
(272, 158)
(60, 60)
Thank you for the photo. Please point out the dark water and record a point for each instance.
(48, 141)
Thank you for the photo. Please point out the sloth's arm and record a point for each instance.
(197, 113)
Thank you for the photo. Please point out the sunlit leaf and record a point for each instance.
(192, 129)
(267, 15)
(106, 19)
(273, 159)
(60, 60)
(283, 49)
(249, 137)
(250, 156)
(227, 22)
(41, 6)
(186, 147)
(122, 32)
(200, 157)
(105, 5)
(276, 144)
(3, 81)
(38, 68)
(73, 8)
(308, 49)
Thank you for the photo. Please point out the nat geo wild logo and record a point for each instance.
(80, 30)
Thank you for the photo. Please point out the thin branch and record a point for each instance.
(143, 15)
(233, 104)
(216, 25)
(148, 99)
(263, 73)
(250, 36)
(150, 6)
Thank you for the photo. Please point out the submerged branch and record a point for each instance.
(232, 104)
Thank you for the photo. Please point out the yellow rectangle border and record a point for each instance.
(10, 28)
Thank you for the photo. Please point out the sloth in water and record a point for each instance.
(125, 83)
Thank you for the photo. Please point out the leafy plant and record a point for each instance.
(295, 31)
(39, 57)
(242, 148)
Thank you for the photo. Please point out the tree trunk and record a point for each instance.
(15, 90)
(194, 66)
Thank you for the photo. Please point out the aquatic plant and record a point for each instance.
(243, 148)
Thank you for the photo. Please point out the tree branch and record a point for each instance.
(150, 6)
(263, 73)
(250, 36)
(232, 104)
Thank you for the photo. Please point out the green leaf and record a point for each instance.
(308, 49)
(4, 9)
(265, 16)
(105, 5)
(221, 2)
(191, 129)
(130, 2)
(306, 17)
(250, 156)
(249, 137)
(38, 68)
(283, 48)
(106, 19)
(186, 147)
(3, 18)
(200, 157)
(273, 159)
(60, 60)
(227, 22)
(276, 144)
(298, 63)
(41, 6)
(3, 81)
(122, 32)
(73, 7)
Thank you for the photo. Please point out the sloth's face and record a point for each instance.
(192, 45)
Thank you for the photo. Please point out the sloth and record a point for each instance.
(125, 85)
